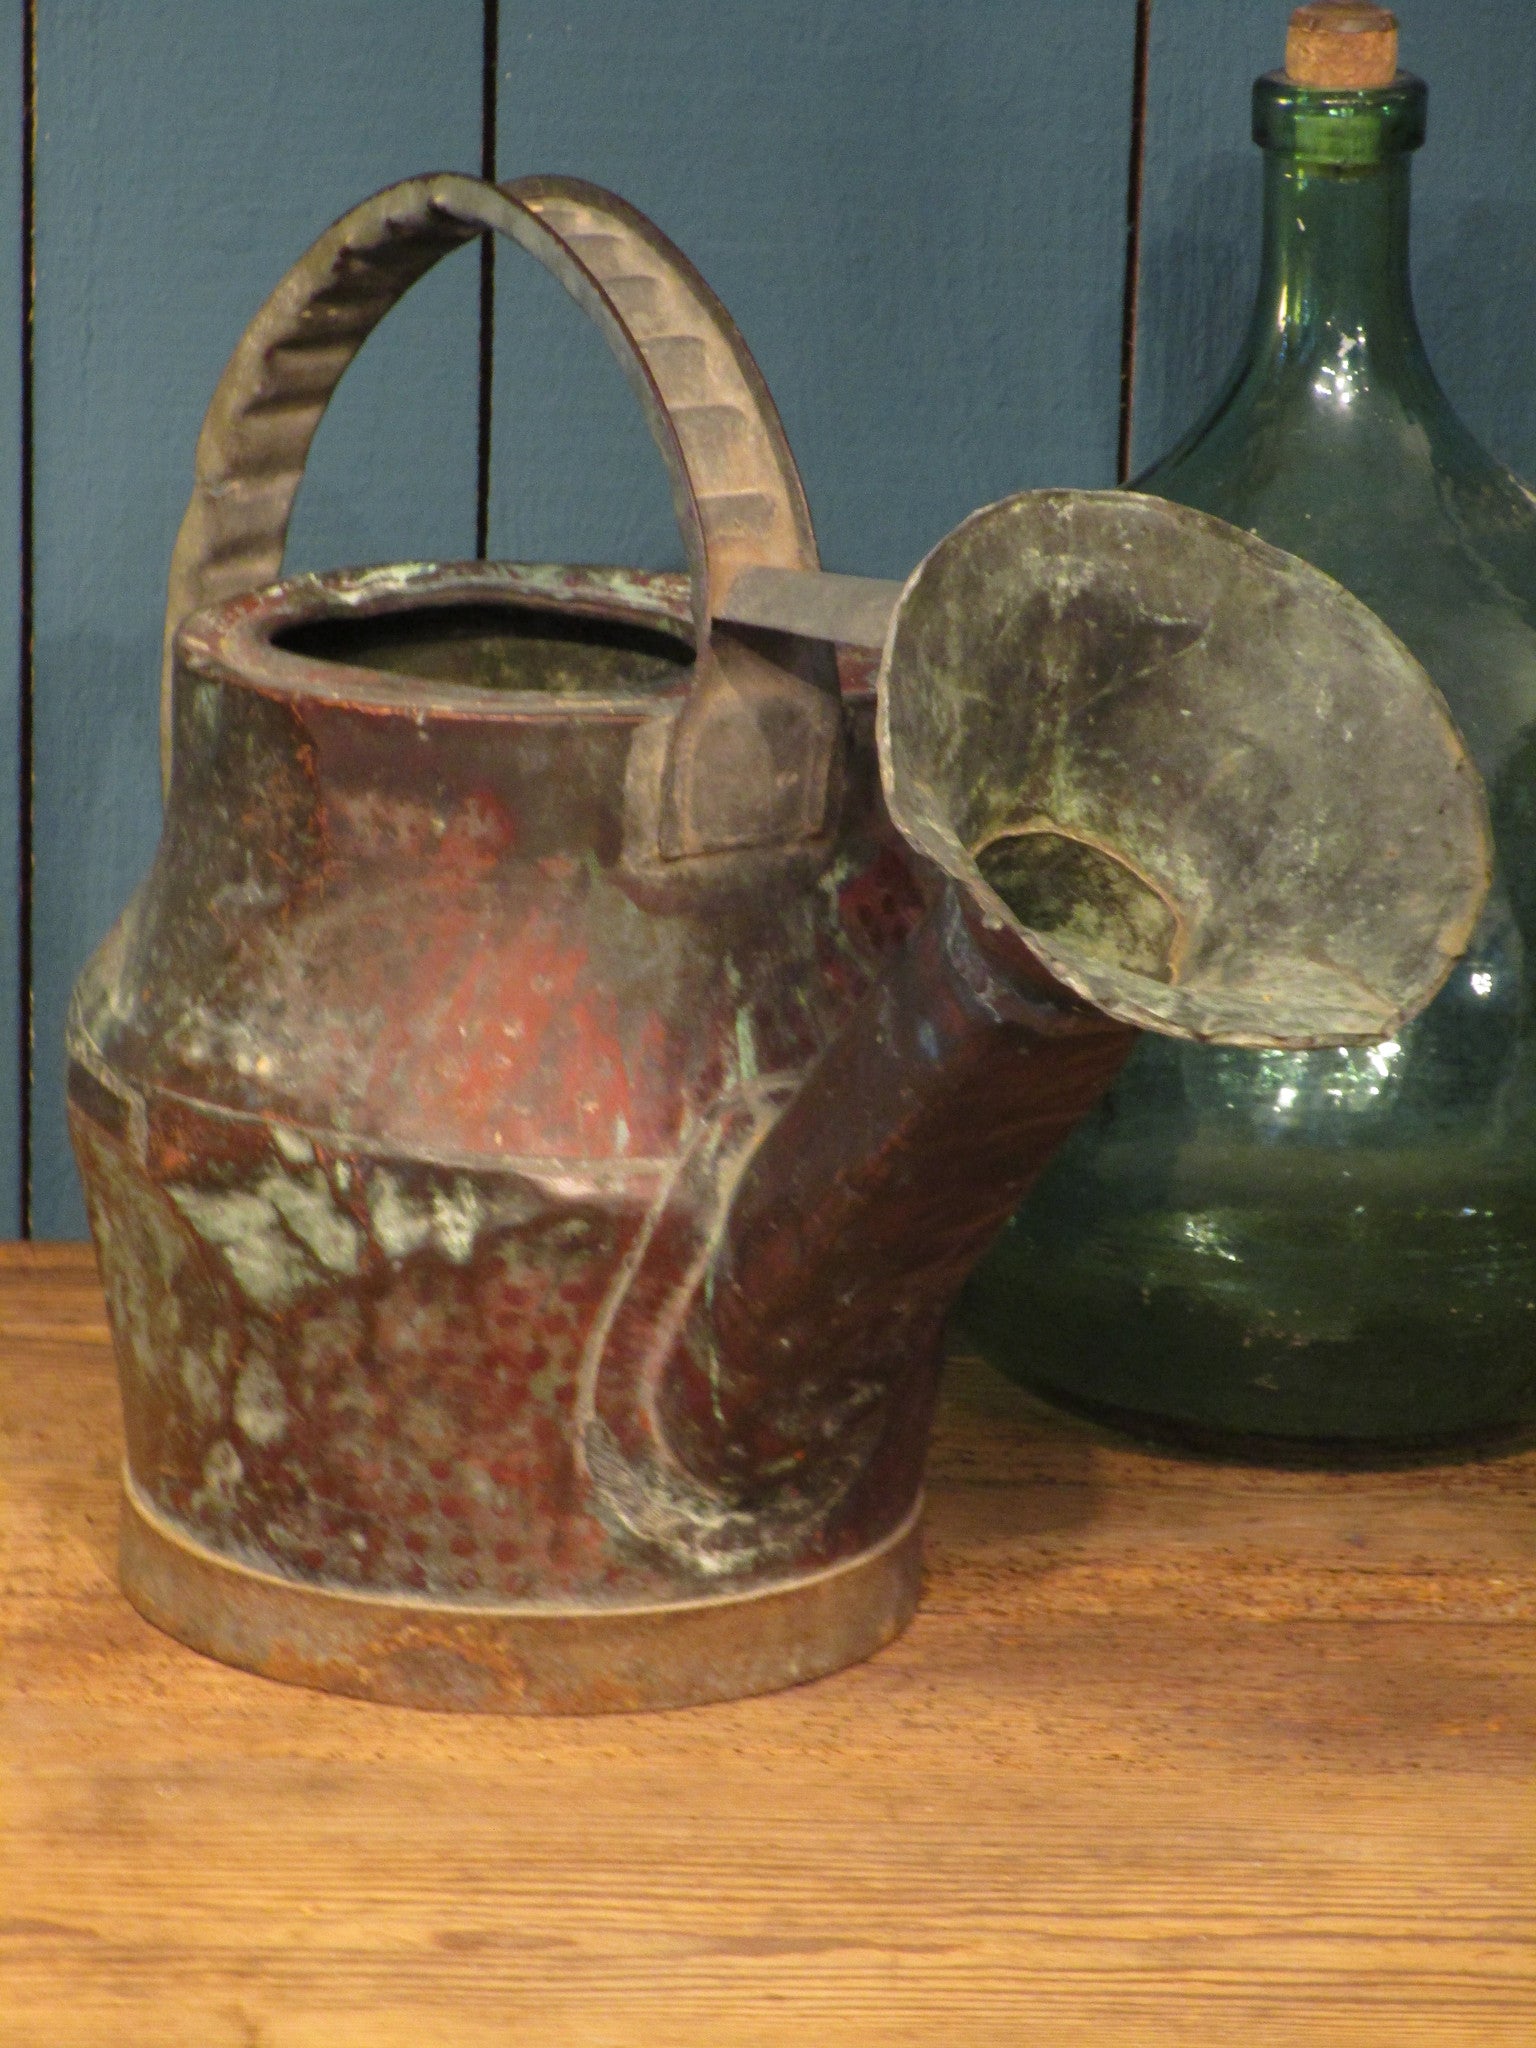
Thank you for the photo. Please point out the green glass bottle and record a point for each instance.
(1327, 1255)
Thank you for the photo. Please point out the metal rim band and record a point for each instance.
(408, 1651)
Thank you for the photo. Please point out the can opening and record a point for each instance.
(501, 647)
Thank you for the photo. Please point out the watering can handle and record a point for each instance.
(735, 488)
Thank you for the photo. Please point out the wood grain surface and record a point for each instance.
(1173, 1753)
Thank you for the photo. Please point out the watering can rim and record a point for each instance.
(235, 638)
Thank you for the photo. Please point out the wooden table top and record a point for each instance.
(1173, 1753)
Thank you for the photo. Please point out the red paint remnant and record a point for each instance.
(881, 904)
(479, 831)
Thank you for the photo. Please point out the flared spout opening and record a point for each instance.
(1204, 786)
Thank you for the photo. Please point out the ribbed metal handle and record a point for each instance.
(736, 490)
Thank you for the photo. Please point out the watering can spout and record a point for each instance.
(1158, 769)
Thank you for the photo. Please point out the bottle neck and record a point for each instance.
(1334, 300)
(1334, 292)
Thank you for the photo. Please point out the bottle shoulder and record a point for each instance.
(1391, 496)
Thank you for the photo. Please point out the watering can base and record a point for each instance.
(527, 1659)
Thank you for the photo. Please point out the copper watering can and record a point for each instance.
(568, 1052)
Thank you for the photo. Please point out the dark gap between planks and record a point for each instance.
(490, 43)
(1133, 185)
(24, 835)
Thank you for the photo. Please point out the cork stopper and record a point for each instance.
(1348, 43)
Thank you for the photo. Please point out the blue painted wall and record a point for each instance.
(185, 155)
(915, 213)
(918, 215)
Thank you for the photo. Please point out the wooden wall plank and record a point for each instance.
(916, 215)
(186, 155)
(12, 98)
(1474, 233)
